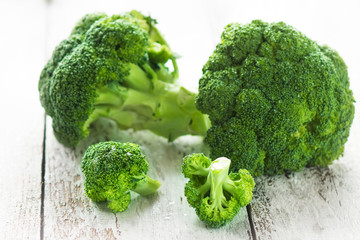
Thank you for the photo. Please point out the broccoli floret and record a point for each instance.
(118, 67)
(277, 100)
(216, 195)
(112, 170)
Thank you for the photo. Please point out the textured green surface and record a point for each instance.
(277, 100)
(112, 169)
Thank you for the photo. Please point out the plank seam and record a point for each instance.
(251, 222)
(43, 165)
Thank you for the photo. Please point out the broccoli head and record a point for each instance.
(216, 195)
(118, 67)
(112, 170)
(277, 100)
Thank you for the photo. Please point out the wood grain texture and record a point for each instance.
(22, 119)
(316, 203)
(69, 214)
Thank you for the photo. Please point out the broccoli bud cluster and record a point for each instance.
(277, 100)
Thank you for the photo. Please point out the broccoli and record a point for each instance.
(112, 170)
(216, 195)
(270, 98)
(118, 67)
(277, 100)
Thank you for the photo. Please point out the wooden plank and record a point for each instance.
(316, 203)
(22, 119)
(69, 214)
(313, 204)
(305, 206)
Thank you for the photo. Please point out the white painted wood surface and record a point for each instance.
(312, 204)
(69, 214)
(22, 37)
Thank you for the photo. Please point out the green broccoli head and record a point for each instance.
(216, 195)
(277, 100)
(118, 67)
(112, 170)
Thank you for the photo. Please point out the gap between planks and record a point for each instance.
(43, 160)
(48, 3)
(43, 169)
(251, 222)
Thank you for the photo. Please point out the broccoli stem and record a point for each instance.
(218, 175)
(144, 101)
(199, 170)
(145, 185)
(219, 172)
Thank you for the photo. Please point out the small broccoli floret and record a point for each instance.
(216, 195)
(112, 170)
(277, 100)
(118, 67)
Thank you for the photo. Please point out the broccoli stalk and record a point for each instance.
(216, 195)
(215, 183)
(145, 100)
(145, 185)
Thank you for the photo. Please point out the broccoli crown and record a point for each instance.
(112, 169)
(277, 100)
(216, 195)
(116, 67)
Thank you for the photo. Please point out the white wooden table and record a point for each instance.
(41, 182)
